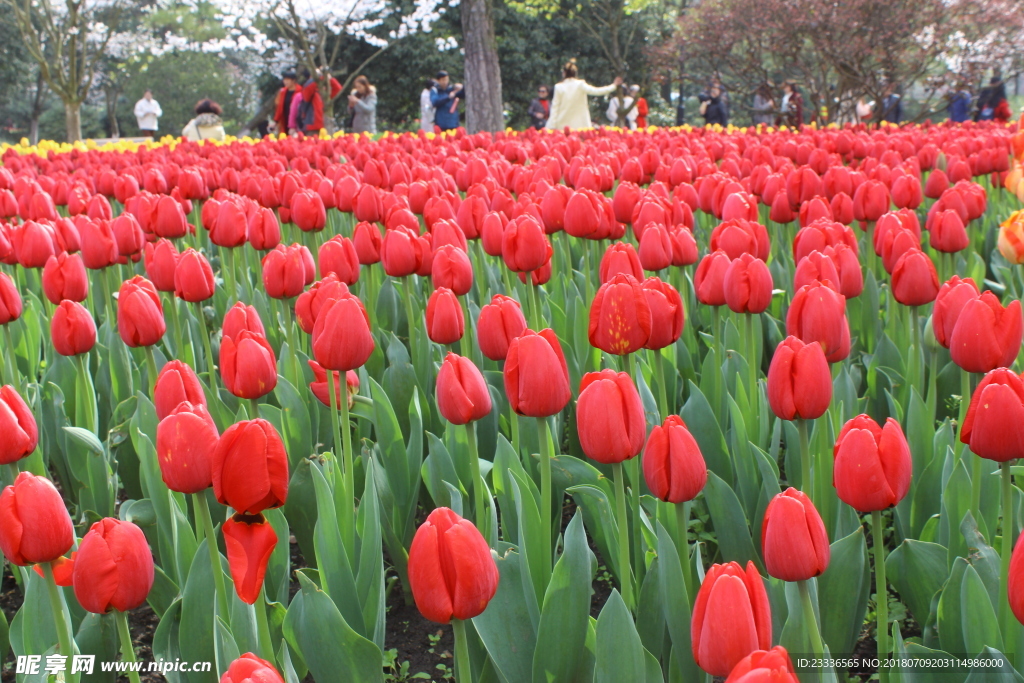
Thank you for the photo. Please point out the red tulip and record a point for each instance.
(113, 567)
(241, 317)
(499, 323)
(33, 244)
(445, 324)
(936, 184)
(128, 235)
(264, 229)
(818, 314)
(536, 376)
(18, 425)
(674, 467)
(870, 201)
(760, 666)
(627, 195)
(610, 417)
(176, 382)
(656, 251)
(781, 211)
(10, 300)
(185, 441)
(684, 246)
(249, 467)
(914, 279)
(72, 329)
(986, 335)
(368, 242)
(992, 427)
(169, 218)
(307, 211)
(524, 245)
(230, 226)
(250, 541)
(251, 669)
(451, 269)
(338, 255)
(872, 464)
(140, 317)
(99, 250)
(737, 237)
(793, 537)
(35, 527)
(64, 278)
(342, 339)
(709, 280)
(451, 571)
(193, 277)
(321, 387)
(462, 393)
(247, 365)
(949, 302)
(731, 618)
(620, 257)
(821, 234)
(906, 192)
(402, 252)
(747, 285)
(161, 259)
(667, 314)
(284, 271)
(799, 380)
(947, 232)
(620, 317)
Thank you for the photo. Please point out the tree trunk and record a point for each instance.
(73, 121)
(37, 109)
(483, 73)
(112, 92)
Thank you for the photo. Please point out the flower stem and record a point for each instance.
(254, 408)
(65, 637)
(151, 370)
(881, 593)
(751, 359)
(535, 316)
(343, 458)
(81, 360)
(659, 368)
(1008, 620)
(10, 364)
(683, 547)
(266, 645)
(805, 458)
(203, 512)
(127, 649)
(478, 485)
(463, 666)
(211, 368)
(625, 572)
(407, 285)
(545, 492)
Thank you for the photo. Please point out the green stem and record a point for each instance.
(151, 370)
(463, 666)
(1010, 624)
(659, 368)
(716, 328)
(809, 618)
(10, 364)
(14, 470)
(254, 408)
(211, 368)
(81, 360)
(343, 458)
(683, 547)
(107, 297)
(545, 491)
(914, 378)
(535, 316)
(227, 266)
(751, 359)
(805, 458)
(65, 637)
(625, 572)
(179, 349)
(266, 644)
(478, 485)
(965, 400)
(203, 512)
(881, 593)
(514, 422)
(127, 649)
(407, 285)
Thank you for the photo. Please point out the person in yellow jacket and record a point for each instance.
(569, 106)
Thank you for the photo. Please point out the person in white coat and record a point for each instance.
(569, 106)
(627, 106)
(147, 113)
(427, 108)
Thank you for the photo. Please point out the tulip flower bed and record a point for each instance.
(754, 387)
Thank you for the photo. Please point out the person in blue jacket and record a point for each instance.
(445, 98)
(960, 105)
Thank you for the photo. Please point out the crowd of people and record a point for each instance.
(299, 105)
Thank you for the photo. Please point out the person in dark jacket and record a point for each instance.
(540, 108)
(892, 106)
(311, 111)
(445, 98)
(283, 101)
(791, 111)
(992, 104)
(959, 107)
(712, 107)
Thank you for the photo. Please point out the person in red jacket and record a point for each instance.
(311, 111)
(283, 101)
(642, 110)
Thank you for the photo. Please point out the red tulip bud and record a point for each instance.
(674, 467)
(113, 567)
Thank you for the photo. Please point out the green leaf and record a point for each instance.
(845, 588)
(533, 544)
(225, 649)
(566, 613)
(620, 654)
(676, 604)
(931, 674)
(370, 574)
(1002, 674)
(917, 570)
(196, 634)
(951, 636)
(505, 627)
(977, 614)
(704, 426)
(332, 650)
(86, 438)
(295, 420)
(165, 640)
(332, 558)
(731, 527)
